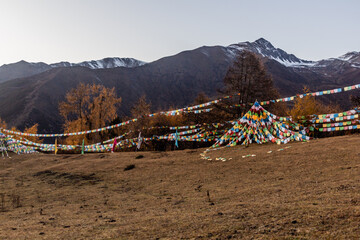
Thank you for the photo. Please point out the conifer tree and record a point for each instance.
(248, 78)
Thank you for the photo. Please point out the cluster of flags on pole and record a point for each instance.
(259, 126)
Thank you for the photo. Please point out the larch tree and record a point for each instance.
(140, 111)
(33, 129)
(88, 107)
(355, 100)
(2, 123)
(215, 115)
(249, 81)
(306, 106)
(141, 108)
(199, 118)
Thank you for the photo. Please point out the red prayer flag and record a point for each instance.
(114, 146)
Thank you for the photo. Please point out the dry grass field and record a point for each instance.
(306, 191)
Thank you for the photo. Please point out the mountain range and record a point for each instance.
(30, 92)
(25, 69)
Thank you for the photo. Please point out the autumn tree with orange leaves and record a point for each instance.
(307, 105)
(88, 107)
(33, 129)
(2, 123)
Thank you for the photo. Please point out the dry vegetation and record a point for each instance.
(308, 191)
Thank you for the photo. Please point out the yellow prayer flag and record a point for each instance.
(56, 149)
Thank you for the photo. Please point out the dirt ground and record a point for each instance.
(305, 191)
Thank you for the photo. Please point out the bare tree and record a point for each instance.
(248, 78)
(355, 100)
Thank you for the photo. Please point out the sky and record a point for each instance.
(79, 30)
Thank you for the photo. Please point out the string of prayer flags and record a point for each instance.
(116, 138)
(348, 120)
(2, 146)
(319, 93)
(11, 145)
(182, 110)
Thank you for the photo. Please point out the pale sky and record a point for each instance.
(79, 30)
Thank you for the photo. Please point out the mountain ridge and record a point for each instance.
(26, 69)
(261, 47)
(170, 81)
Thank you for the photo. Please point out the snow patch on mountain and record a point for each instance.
(350, 56)
(299, 64)
(265, 49)
(103, 63)
(206, 53)
(350, 59)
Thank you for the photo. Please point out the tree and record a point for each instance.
(201, 98)
(2, 123)
(141, 108)
(306, 106)
(160, 121)
(33, 129)
(215, 115)
(355, 100)
(199, 118)
(248, 78)
(88, 107)
(140, 111)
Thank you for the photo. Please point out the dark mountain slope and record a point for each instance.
(21, 69)
(24, 102)
(171, 81)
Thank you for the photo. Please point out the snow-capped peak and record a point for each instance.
(350, 59)
(266, 49)
(350, 56)
(103, 63)
(265, 44)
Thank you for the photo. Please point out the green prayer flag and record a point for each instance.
(83, 146)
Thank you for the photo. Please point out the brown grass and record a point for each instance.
(308, 191)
